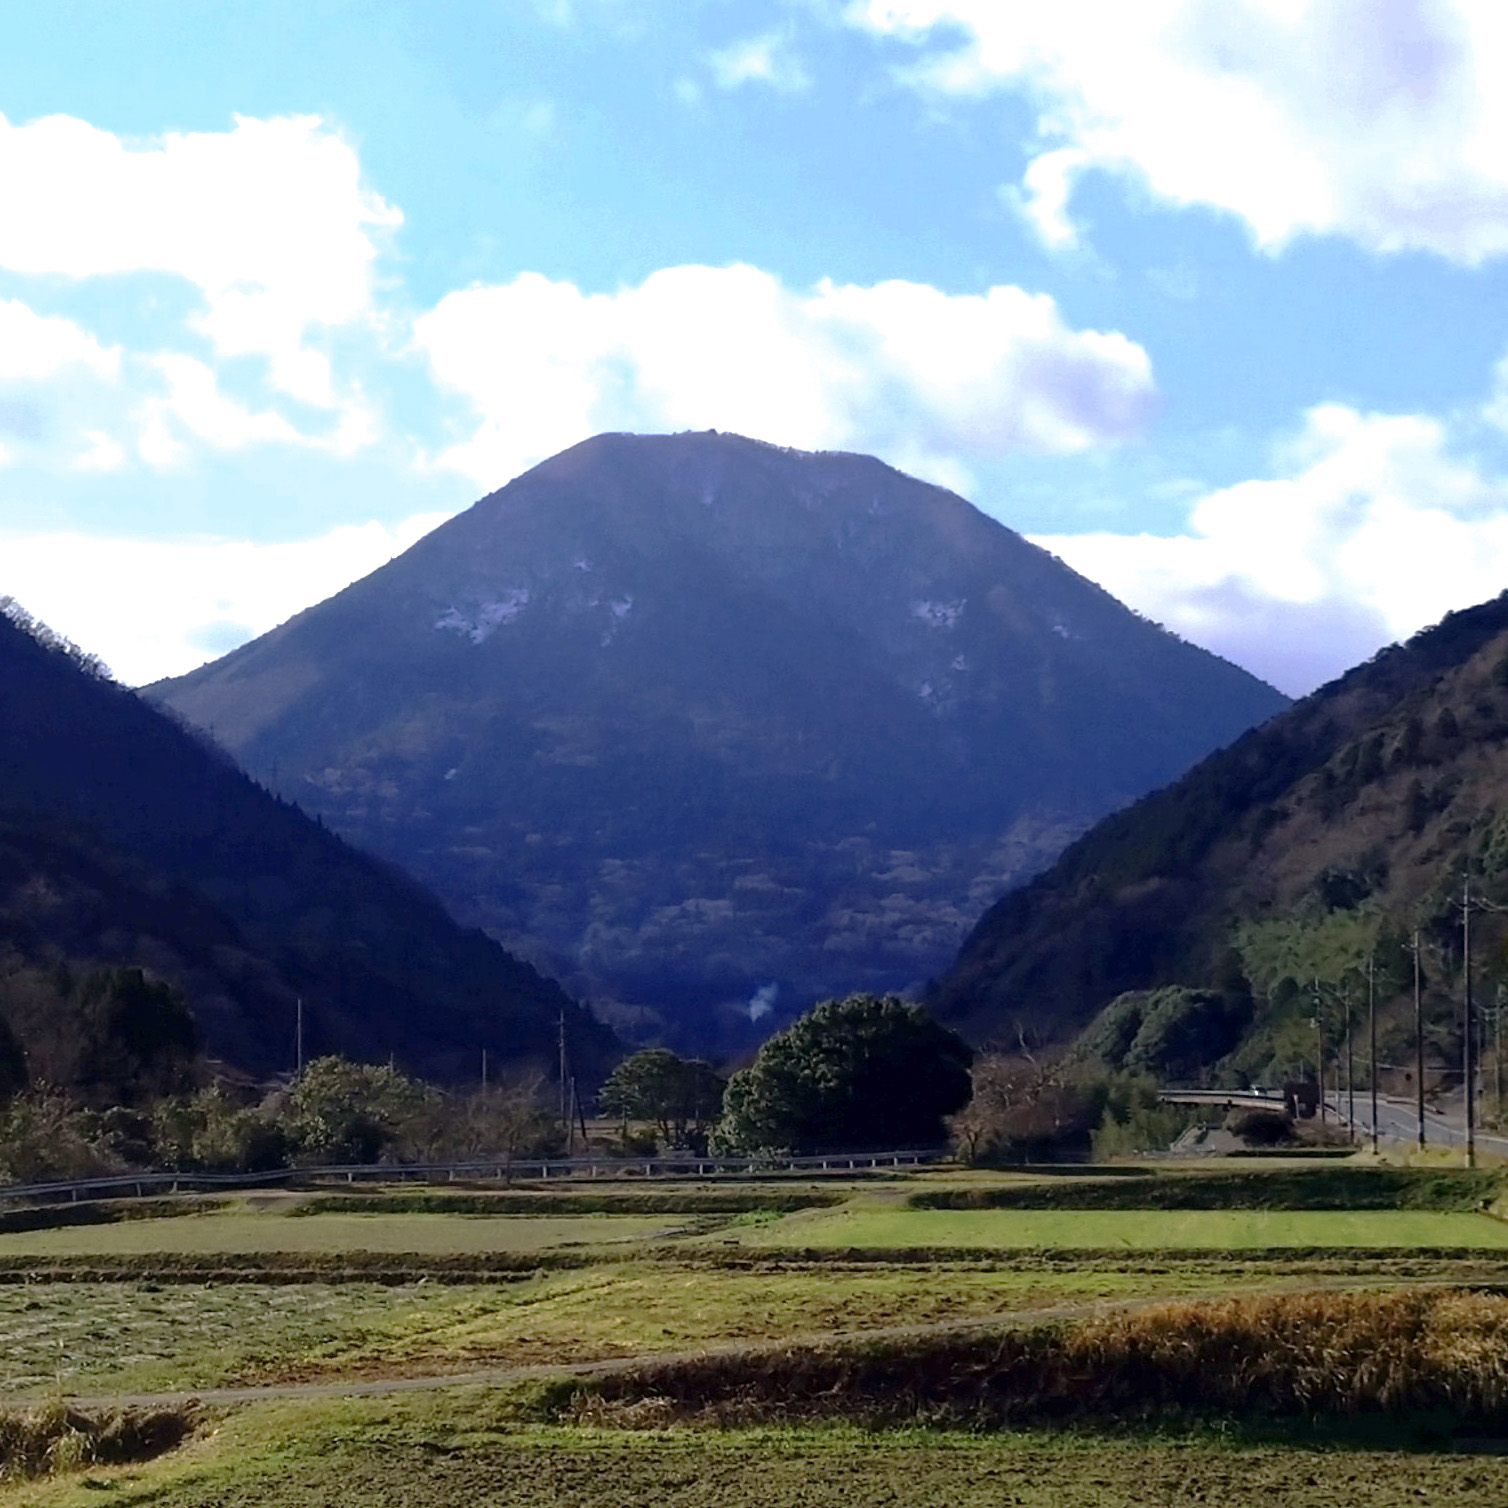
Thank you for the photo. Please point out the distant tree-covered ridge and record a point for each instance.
(129, 843)
(1215, 921)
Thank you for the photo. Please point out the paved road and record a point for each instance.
(1397, 1121)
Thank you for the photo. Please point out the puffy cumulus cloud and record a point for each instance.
(34, 347)
(154, 608)
(60, 391)
(269, 221)
(1381, 120)
(768, 59)
(1374, 530)
(194, 400)
(931, 381)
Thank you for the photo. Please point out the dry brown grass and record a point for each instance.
(1292, 1355)
(56, 1438)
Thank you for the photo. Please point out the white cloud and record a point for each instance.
(269, 221)
(154, 608)
(929, 380)
(58, 385)
(195, 401)
(1042, 199)
(1372, 531)
(1383, 122)
(766, 59)
(103, 453)
(34, 346)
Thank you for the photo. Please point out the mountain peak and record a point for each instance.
(684, 717)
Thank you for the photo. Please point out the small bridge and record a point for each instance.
(1229, 1099)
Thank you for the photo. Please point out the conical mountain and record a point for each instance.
(128, 842)
(703, 723)
(1271, 875)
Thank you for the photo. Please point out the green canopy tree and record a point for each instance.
(680, 1097)
(868, 1071)
(343, 1112)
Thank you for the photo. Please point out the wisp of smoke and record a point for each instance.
(762, 1001)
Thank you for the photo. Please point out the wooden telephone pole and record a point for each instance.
(1372, 1038)
(1468, 1054)
(1418, 1041)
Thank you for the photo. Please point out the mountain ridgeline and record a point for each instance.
(1270, 873)
(705, 726)
(138, 865)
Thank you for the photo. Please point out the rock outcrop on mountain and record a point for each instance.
(1256, 890)
(128, 843)
(708, 726)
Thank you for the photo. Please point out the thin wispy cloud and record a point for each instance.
(769, 59)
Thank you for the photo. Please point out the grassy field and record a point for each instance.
(471, 1449)
(875, 1218)
(237, 1231)
(1135, 1230)
(1337, 1186)
(757, 1273)
(135, 1337)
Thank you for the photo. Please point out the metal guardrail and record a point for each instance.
(139, 1185)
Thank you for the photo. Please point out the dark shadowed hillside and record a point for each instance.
(1269, 871)
(702, 722)
(125, 840)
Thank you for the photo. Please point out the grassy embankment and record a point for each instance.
(994, 1302)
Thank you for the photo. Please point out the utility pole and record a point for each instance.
(1350, 1067)
(484, 1068)
(1497, 1053)
(298, 1039)
(1418, 1041)
(565, 1108)
(580, 1121)
(1319, 1053)
(1468, 1056)
(1372, 1037)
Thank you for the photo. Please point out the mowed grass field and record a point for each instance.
(1135, 1230)
(880, 1218)
(280, 1231)
(473, 1450)
(721, 1275)
(94, 1338)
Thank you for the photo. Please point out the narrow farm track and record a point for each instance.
(371, 1387)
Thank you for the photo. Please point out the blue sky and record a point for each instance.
(1208, 296)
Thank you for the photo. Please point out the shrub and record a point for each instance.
(1260, 1128)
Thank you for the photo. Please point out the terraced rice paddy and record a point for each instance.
(1134, 1230)
(290, 1292)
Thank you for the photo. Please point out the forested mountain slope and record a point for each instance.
(125, 840)
(1339, 826)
